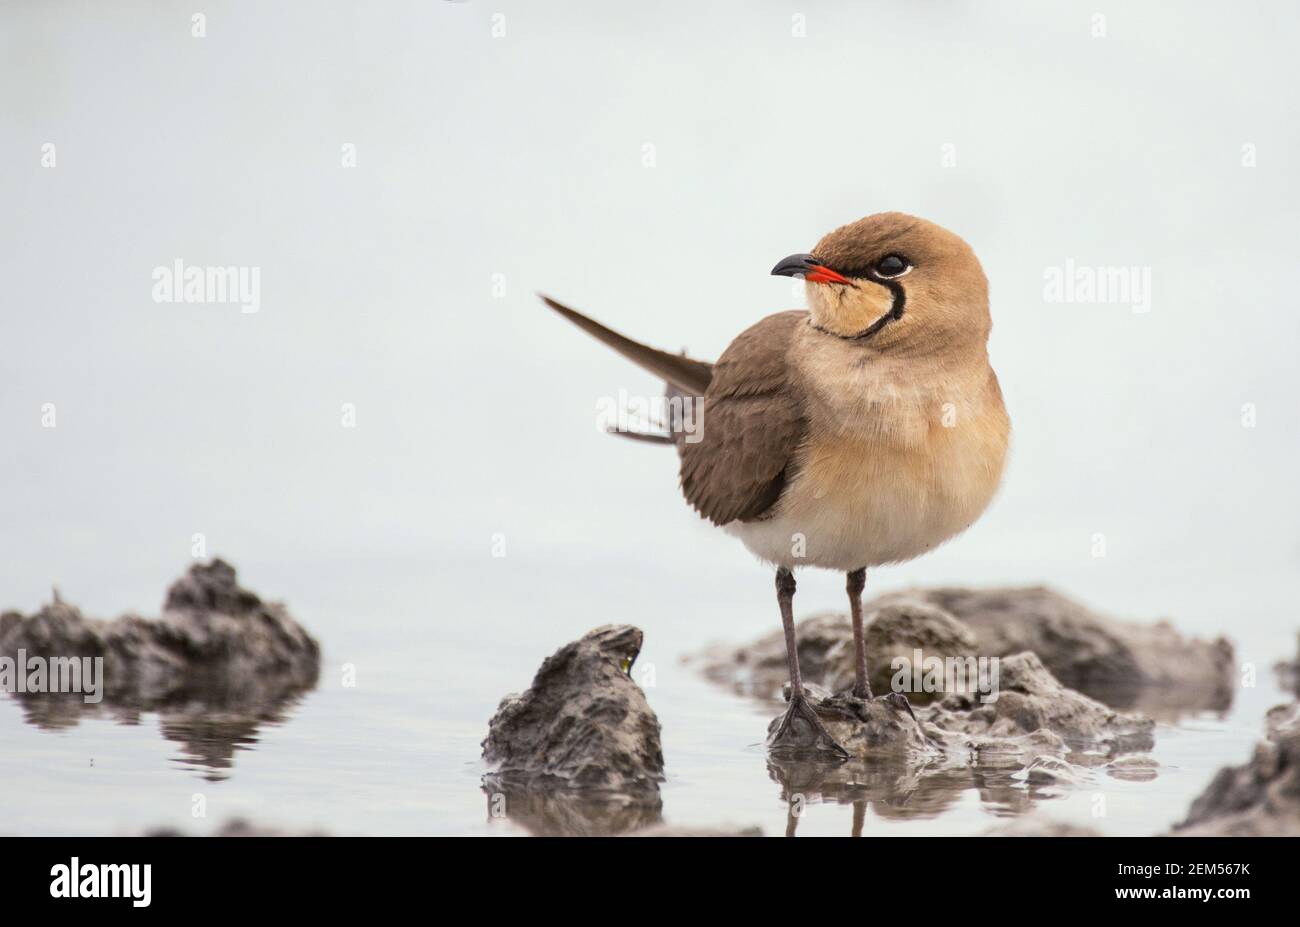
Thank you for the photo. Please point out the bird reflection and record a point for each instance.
(898, 787)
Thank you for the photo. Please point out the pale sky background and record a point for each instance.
(522, 155)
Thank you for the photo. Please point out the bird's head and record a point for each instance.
(897, 283)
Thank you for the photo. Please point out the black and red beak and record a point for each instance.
(808, 267)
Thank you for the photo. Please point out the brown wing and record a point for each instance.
(753, 423)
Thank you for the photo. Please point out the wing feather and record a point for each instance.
(683, 372)
(753, 425)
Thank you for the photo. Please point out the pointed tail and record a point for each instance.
(690, 376)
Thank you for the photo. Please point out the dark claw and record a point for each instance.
(801, 731)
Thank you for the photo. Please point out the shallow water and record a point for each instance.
(398, 752)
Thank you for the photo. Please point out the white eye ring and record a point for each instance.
(902, 273)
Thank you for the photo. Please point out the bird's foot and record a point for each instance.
(862, 690)
(800, 730)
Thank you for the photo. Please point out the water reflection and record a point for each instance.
(900, 788)
(210, 725)
(567, 813)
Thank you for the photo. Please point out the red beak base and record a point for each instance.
(820, 274)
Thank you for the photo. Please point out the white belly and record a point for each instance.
(860, 504)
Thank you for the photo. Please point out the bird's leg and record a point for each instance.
(785, 587)
(799, 729)
(857, 581)
(791, 820)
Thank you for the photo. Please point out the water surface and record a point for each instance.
(435, 646)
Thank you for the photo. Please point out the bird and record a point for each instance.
(864, 430)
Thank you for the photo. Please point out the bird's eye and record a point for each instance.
(892, 265)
